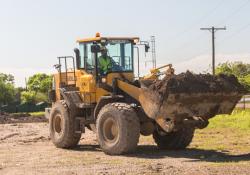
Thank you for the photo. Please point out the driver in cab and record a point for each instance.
(105, 61)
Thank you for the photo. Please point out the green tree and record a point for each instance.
(39, 83)
(18, 92)
(7, 89)
(246, 81)
(7, 78)
(239, 69)
(28, 97)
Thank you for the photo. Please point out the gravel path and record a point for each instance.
(25, 148)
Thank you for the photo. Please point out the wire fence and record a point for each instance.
(244, 103)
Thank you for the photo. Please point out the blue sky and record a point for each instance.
(34, 33)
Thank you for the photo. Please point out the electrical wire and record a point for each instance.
(236, 11)
(198, 37)
(220, 41)
(207, 15)
(225, 19)
(187, 44)
(235, 33)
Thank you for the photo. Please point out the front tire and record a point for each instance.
(174, 140)
(61, 126)
(118, 129)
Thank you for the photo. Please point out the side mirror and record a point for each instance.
(95, 48)
(147, 47)
(78, 61)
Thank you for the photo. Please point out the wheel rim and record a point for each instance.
(110, 130)
(58, 125)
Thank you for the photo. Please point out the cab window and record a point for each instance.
(86, 54)
(90, 61)
(81, 49)
(121, 54)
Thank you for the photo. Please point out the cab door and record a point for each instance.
(87, 83)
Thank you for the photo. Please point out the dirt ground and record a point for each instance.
(25, 148)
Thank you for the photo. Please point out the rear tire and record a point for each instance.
(118, 128)
(61, 126)
(174, 140)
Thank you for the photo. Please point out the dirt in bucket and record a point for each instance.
(187, 94)
(196, 83)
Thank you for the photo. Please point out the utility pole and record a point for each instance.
(213, 30)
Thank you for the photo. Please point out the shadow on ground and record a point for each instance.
(152, 152)
(88, 147)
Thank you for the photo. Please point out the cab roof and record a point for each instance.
(98, 37)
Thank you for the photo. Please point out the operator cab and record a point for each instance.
(119, 50)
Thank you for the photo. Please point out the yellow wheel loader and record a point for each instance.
(118, 106)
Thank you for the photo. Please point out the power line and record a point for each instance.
(196, 55)
(235, 33)
(213, 30)
(234, 12)
(208, 14)
(186, 44)
(220, 41)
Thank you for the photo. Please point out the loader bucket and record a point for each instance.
(183, 96)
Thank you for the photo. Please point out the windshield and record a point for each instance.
(121, 54)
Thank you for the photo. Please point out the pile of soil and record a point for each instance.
(186, 95)
(6, 118)
(197, 83)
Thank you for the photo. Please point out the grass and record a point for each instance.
(35, 114)
(239, 119)
(226, 132)
(225, 136)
